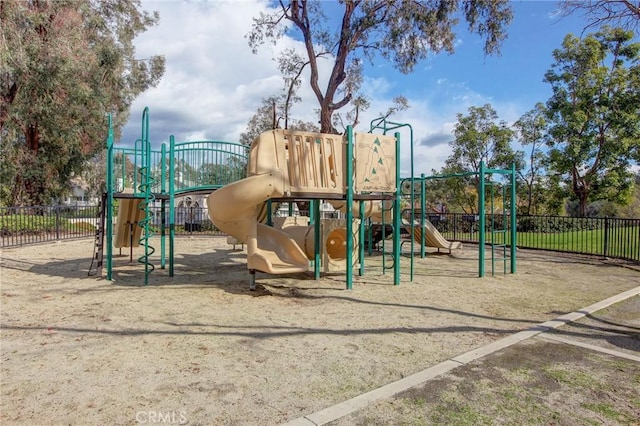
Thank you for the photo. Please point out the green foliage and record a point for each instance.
(594, 115)
(19, 223)
(74, 212)
(532, 132)
(632, 209)
(403, 32)
(220, 174)
(479, 137)
(64, 65)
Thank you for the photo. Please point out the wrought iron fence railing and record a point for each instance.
(601, 236)
(609, 237)
(30, 225)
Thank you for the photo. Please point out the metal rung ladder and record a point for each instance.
(98, 250)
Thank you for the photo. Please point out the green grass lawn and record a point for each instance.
(622, 242)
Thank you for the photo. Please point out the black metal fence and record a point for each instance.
(602, 236)
(609, 237)
(29, 225)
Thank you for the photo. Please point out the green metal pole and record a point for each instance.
(269, 213)
(163, 233)
(361, 239)
(109, 199)
(172, 225)
(423, 218)
(370, 234)
(146, 160)
(315, 207)
(481, 236)
(396, 213)
(412, 219)
(513, 218)
(492, 227)
(349, 213)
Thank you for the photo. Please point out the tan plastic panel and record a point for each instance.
(127, 232)
(311, 162)
(375, 163)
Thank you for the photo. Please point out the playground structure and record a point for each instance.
(140, 177)
(502, 241)
(287, 165)
(358, 170)
(357, 173)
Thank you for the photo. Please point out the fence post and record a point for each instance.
(57, 208)
(455, 225)
(605, 243)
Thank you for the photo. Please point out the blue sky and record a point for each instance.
(213, 83)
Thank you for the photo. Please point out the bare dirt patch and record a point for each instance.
(203, 348)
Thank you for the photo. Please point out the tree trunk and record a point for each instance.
(326, 126)
(16, 192)
(33, 186)
(582, 199)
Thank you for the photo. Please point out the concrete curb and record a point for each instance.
(349, 406)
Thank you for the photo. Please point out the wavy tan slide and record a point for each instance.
(234, 210)
(296, 165)
(432, 237)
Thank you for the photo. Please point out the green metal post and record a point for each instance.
(163, 233)
(349, 213)
(315, 207)
(109, 199)
(513, 218)
(412, 221)
(370, 234)
(269, 212)
(493, 231)
(481, 224)
(412, 200)
(172, 225)
(396, 213)
(396, 216)
(423, 218)
(146, 164)
(361, 239)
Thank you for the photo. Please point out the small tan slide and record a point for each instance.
(432, 237)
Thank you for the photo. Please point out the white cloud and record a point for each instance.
(213, 84)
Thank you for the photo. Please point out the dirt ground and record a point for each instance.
(200, 348)
(535, 382)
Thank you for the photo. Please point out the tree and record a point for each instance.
(479, 137)
(632, 210)
(220, 174)
(594, 115)
(64, 66)
(403, 32)
(620, 13)
(532, 131)
(271, 114)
